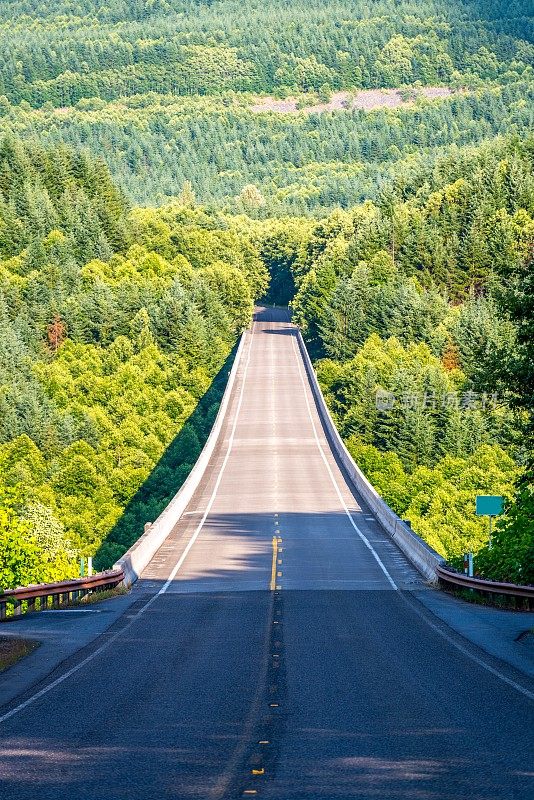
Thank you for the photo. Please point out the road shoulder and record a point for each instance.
(499, 633)
(61, 634)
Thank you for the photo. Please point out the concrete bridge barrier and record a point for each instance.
(422, 556)
(134, 561)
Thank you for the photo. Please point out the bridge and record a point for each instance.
(277, 646)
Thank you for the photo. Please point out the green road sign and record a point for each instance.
(489, 505)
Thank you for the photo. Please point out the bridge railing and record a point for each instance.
(427, 561)
(53, 595)
(134, 561)
(422, 556)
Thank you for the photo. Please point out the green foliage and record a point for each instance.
(33, 545)
(426, 229)
(56, 201)
(439, 501)
(511, 556)
(164, 91)
(57, 558)
(433, 397)
(429, 413)
(104, 355)
(20, 554)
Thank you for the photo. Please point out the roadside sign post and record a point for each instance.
(489, 505)
(468, 564)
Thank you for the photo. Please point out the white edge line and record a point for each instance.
(466, 652)
(200, 525)
(112, 639)
(331, 474)
(72, 611)
(436, 628)
(76, 668)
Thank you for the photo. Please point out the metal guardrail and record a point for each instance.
(491, 587)
(53, 595)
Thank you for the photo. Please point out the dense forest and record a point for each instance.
(65, 51)
(147, 201)
(295, 163)
(115, 323)
(164, 91)
(415, 309)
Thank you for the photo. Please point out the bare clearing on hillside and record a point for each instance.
(366, 99)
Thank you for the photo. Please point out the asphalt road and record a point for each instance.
(338, 683)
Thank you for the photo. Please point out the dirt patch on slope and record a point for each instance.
(366, 99)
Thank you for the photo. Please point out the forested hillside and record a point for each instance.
(164, 91)
(420, 304)
(114, 325)
(152, 188)
(295, 163)
(67, 50)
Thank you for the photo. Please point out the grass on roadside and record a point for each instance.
(501, 601)
(97, 597)
(12, 650)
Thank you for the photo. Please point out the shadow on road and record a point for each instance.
(285, 332)
(318, 550)
(361, 702)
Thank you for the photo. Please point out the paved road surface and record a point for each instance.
(338, 684)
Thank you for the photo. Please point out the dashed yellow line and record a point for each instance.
(274, 564)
